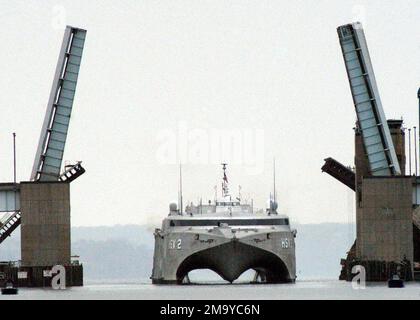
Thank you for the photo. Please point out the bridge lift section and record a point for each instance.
(49, 154)
(342, 173)
(370, 114)
(371, 118)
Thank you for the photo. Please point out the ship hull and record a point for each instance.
(226, 251)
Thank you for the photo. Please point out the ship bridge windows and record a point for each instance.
(227, 204)
(230, 222)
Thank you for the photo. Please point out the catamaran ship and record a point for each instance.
(227, 237)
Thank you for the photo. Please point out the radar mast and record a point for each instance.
(225, 187)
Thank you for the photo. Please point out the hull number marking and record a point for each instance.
(175, 244)
(285, 243)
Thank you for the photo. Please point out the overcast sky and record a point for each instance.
(162, 81)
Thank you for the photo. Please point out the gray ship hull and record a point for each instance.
(225, 250)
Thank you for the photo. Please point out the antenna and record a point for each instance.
(418, 96)
(225, 189)
(180, 189)
(201, 205)
(415, 149)
(14, 169)
(14, 157)
(274, 179)
(409, 150)
(215, 194)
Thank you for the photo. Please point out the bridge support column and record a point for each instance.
(45, 227)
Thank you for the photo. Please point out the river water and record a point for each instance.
(303, 289)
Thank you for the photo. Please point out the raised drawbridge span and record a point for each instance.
(49, 155)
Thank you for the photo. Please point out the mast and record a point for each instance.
(225, 188)
(409, 150)
(215, 194)
(14, 171)
(180, 190)
(14, 157)
(418, 96)
(415, 150)
(274, 180)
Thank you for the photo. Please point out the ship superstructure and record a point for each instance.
(227, 237)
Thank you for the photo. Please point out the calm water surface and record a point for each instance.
(303, 289)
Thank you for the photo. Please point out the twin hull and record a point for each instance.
(228, 251)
